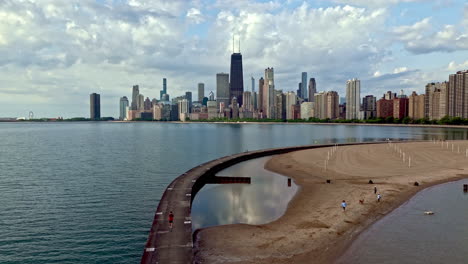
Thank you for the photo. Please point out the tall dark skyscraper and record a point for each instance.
(164, 90)
(312, 89)
(95, 106)
(135, 93)
(236, 88)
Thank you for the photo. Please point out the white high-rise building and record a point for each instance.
(353, 98)
(184, 108)
(307, 110)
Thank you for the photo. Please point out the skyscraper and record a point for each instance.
(201, 92)
(261, 83)
(237, 79)
(312, 89)
(164, 90)
(140, 103)
(353, 98)
(253, 84)
(304, 86)
(147, 104)
(222, 89)
(416, 106)
(188, 96)
(291, 99)
(123, 108)
(268, 93)
(369, 107)
(95, 106)
(333, 105)
(135, 93)
(458, 94)
(247, 99)
(320, 106)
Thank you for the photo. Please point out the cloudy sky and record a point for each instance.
(54, 53)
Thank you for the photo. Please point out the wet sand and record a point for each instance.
(314, 228)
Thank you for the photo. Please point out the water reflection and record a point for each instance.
(263, 200)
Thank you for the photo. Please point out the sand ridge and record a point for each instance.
(314, 228)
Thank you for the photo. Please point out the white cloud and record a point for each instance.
(453, 66)
(375, 3)
(422, 38)
(195, 15)
(400, 70)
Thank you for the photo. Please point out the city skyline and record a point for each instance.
(54, 78)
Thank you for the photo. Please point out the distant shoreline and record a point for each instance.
(259, 123)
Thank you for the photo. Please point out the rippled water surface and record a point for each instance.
(87, 192)
(407, 235)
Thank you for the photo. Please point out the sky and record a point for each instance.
(54, 53)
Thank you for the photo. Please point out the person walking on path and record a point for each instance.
(343, 205)
(171, 219)
(375, 189)
(379, 197)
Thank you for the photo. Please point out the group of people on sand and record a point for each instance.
(379, 197)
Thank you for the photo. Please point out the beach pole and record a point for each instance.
(409, 162)
(452, 147)
(403, 157)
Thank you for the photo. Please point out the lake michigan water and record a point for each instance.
(87, 192)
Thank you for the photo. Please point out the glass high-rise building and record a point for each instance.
(312, 89)
(135, 93)
(222, 89)
(236, 88)
(123, 108)
(95, 106)
(164, 90)
(201, 92)
(304, 93)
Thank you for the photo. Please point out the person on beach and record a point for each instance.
(343, 205)
(375, 189)
(171, 219)
(379, 197)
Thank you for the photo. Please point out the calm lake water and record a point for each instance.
(408, 236)
(87, 192)
(263, 200)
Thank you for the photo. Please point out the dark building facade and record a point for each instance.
(369, 107)
(236, 88)
(95, 106)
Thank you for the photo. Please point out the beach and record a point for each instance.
(314, 228)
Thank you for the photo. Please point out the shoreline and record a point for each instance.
(314, 213)
(255, 123)
(300, 123)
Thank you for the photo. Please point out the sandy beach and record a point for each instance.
(315, 229)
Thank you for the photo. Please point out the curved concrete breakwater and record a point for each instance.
(176, 246)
